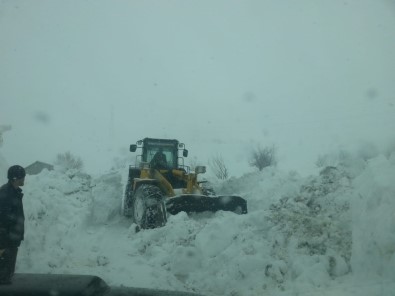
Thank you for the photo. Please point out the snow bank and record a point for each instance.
(302, 236)
(373, 254)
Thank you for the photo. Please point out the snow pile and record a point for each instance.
(56, 206)
(313, 226)
(324, 234)
(373, 254)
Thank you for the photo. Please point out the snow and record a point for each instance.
(327, 234)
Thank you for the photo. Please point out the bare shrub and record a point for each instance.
(263, 157)
(219, 168)
(68, 161)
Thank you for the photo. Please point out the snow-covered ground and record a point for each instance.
(329, 234)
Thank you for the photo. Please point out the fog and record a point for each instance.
(92, 77)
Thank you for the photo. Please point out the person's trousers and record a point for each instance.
(7, 265)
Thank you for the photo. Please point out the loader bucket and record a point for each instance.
(194, 203)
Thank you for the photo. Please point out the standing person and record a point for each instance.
(12, 222)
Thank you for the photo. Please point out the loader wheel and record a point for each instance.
(126, 206)
(149, 209)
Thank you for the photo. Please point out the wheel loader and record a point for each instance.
(159, 184)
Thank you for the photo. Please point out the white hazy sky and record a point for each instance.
(92, 77)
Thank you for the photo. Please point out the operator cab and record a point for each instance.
(160, 158)
(161, 153)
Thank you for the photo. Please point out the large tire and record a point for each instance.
(149, 210)
(127, 204)
(127, 200)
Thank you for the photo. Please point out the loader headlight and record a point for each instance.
(200, 169)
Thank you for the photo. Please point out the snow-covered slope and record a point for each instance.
(330, 234)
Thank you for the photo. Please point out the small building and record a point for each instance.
(36, 167)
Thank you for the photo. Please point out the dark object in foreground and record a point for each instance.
(26, 284)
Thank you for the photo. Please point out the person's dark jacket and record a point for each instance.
(12, 218)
